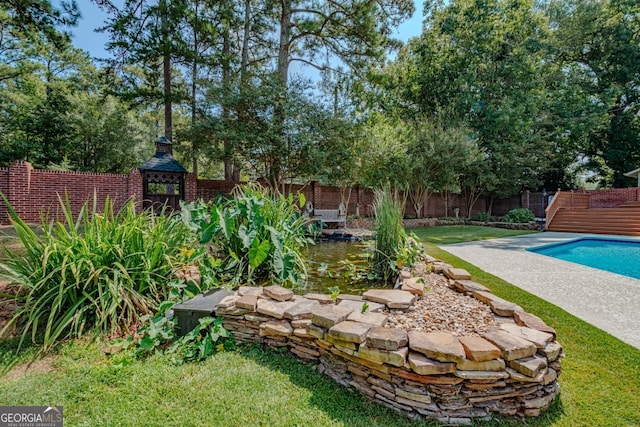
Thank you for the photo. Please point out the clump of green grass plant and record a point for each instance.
(394, 249)
(99, 269)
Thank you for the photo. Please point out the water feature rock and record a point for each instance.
(321, 298)
(395, 357)
(529, 366)
(551, 351)
(468, 286)
(487, 365)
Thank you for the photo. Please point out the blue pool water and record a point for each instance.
(616, 256)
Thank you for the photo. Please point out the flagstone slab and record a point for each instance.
(316, 331)
(350, 331)
(421, 364)
(278, 293)
(374, 319)
(415, 285)
(249, 290)
(278, 328)
(551, 351)
(326, 316)
(441, 346)
(273, 308)
(356, 305)
(468, 286)
(529, 366)
(395, 358)
(511, 347)
(228, 301)
(482, 375)
(478, 349)
(457, 274)
(300, 323)
(248, 302)
(301, 309)
(487, 365)
(532, 321)
(392, 298)
(343, 297)
(321, 298)
(387, 338)
(499, 306)
(539, 338)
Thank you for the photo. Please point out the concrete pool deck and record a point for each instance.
(608, 301)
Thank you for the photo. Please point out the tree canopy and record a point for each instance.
(492, 98)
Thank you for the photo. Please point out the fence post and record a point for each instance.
(20, 188)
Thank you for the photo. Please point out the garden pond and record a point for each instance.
(338, 265)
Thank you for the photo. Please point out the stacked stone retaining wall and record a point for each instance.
(511, 370)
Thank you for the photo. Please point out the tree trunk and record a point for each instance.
(166, 72)
(194, 77)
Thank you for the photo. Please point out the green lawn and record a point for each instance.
(462, 233)
(600, 384)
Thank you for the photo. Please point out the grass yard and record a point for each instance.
(600, 383)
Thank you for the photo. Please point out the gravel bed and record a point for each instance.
(443, 309)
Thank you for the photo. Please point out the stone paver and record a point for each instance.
(457, 274)
(248, 302)
(539, 338)
(529, 366)
(415, 285)
(273, 308)
(354, 305)
(499, 306)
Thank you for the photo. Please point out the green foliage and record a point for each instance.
(158, 336)
(258, 234)
(389, 233)
(94, 270)
(483, 217)
(334, 291)
(519, 216)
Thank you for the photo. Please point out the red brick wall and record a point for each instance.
(613, 197)
(34, 192)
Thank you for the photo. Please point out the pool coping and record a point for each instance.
(582, 291)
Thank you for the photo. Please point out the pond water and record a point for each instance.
(337, 264)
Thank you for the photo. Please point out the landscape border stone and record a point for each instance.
(511, 370)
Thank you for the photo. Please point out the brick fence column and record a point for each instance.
(134, 188)
(20, 187)
(190, 187)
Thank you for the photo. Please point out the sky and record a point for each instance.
(84, 36)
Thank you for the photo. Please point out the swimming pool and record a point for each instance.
(614, 255)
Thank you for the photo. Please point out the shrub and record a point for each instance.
(101, 270)
(519, 216)
(258, 235)
(482, 217)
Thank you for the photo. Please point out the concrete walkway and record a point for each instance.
(606, 300)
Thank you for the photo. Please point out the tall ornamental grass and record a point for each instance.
(258, 234)
(101, 270)
(389, 232)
